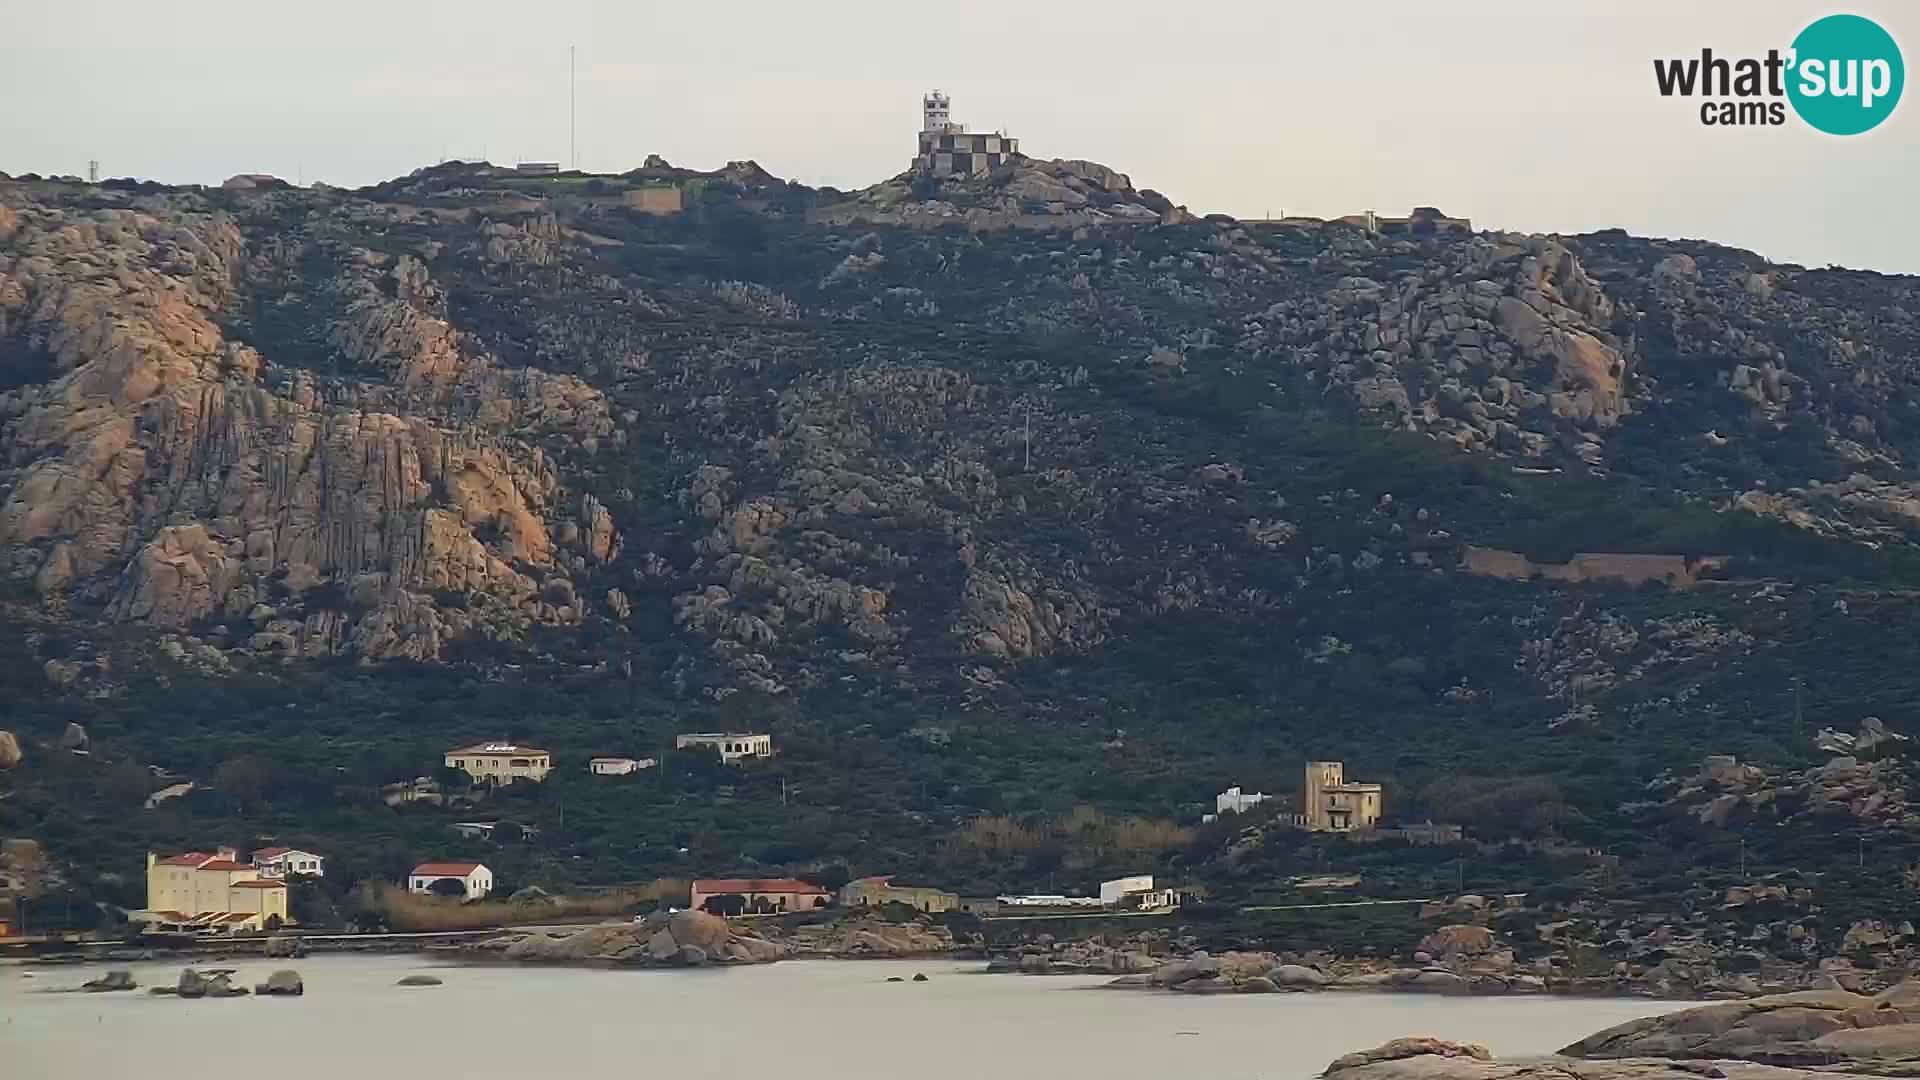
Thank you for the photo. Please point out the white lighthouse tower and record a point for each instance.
(935, 114)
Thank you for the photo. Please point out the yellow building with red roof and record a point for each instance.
(201, 891)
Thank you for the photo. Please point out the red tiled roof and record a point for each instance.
(191, 858)
(224, 864)
(446, 869)
(259, 884)
(758, 885)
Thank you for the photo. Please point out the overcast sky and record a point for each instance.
(1522, 115)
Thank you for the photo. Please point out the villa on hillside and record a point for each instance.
(474, 879)
(733, 747)
(756, 896)
(201, 891)
(278, 862)
(501, 762)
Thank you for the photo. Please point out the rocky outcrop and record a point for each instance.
(1024, 194)
(680, 939)
(867, 938)
(1784, 1037)
(10, 753)
(169, 472)
(1880, 1034)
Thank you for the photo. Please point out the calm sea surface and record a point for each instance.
(798, 1020)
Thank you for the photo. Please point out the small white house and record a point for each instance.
(278, 862)
(732, 746)
(619, 766)
(475, 879)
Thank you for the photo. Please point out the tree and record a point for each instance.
(448, 886)
(245, 778)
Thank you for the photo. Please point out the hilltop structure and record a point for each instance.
(949, 149)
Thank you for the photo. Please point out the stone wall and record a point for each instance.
(1676, 571)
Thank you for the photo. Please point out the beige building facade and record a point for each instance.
(501, 762)
(1329, 804)
(880, 890)
(212, 891)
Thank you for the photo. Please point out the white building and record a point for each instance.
(619, 766)
(278, 862)
(475, 879)
(1111, 892)
(732, 746)
(1235, 801)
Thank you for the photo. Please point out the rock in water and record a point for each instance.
(693, 955)
(283, 983)
(112, 980)
(191, 984)
(1401, 1049)
(285, 945)
(418, 980)
(918, 977)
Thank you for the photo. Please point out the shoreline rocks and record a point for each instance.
(680, 939)
(1825, 1033)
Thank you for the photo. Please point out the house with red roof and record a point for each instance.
(474, 879)
(211, 891)
(757, 896)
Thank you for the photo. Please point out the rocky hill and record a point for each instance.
(1023, 491)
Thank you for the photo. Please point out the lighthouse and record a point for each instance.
(935, 112)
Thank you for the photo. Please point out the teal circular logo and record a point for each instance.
(1846, 75)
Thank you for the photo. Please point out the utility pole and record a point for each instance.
(1743, 858)
(1799, 714)
(1863, 851)
(1029, 467)
(573, 154)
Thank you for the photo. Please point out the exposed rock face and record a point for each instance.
(166, 471)
(1815, 1027)
(681, 939)
(870, 938)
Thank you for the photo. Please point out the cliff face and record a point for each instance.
(160, 472)
(803, 435)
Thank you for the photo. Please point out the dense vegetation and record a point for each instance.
(1527, 712)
